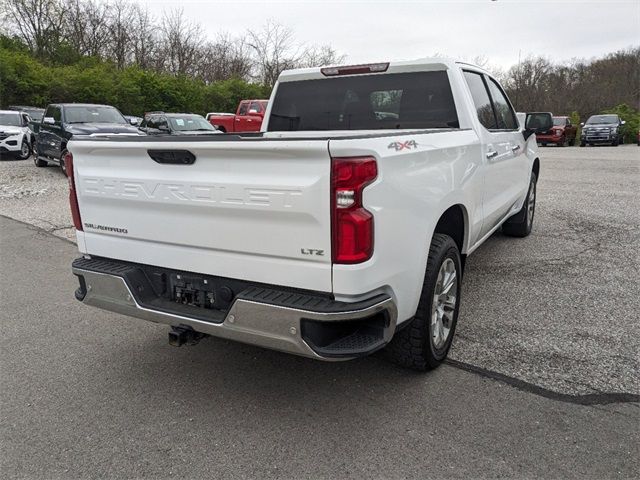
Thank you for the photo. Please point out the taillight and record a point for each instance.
(352, 224)
(73, 197)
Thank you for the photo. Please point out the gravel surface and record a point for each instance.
(557, 309)
(38, 196)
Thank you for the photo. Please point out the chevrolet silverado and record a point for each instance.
(340, 229)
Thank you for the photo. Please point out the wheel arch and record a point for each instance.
(536, 167)
(454, 222)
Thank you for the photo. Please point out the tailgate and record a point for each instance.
(254, 210)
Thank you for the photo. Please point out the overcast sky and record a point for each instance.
(377, 30)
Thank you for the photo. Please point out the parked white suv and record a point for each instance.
(339, 230)
(15, 136)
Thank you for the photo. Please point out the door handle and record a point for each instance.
(515, 148)
(237, 119)
(492, 154)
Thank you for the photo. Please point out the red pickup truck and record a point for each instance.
(248, 117)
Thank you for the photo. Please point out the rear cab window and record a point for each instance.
(365, 102)
(255, 107)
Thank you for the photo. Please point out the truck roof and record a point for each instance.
(419, 65)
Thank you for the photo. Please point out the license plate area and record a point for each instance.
(192, 290)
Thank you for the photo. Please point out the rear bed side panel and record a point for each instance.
(244, 209)
(414, 187)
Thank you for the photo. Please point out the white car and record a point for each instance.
(15, 136)
(340, 229)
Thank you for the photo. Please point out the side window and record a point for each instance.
(505, 115)
(244, 106)
(481, 99)
(255, 106)
(57, 114)
(53, 112)
(153, 122)
(163, 123)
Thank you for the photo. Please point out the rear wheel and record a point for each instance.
(36, 159)
(520, 224)
(425, 342)
(583, 144)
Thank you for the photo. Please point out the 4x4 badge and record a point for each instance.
(398, 146)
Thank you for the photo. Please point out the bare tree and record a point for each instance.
(119, 26)
(180, 43)
(143, 37)
(319, 56)
(225, 58)
(37, 22)
(274, 50)
(85, 27)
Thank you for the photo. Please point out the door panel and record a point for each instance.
(504, 156)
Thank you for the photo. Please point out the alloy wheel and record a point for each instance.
(444, 303)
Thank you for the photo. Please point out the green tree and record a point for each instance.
(631, 117)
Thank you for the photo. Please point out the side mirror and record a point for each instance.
(48, 120)
(582, 124)
(133, 121)
(537, 122)
(623, 122)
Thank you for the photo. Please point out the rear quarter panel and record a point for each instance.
(413, 188)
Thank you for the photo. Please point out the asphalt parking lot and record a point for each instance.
(543, 381)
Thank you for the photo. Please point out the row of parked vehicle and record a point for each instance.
(45, 132)
(597, 130)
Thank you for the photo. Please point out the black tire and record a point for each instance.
(63, 167)
(36, 159)
(413, 346)
(520, 224)
(572, 143)
(583, 144)
(615, 143)
(25, 150)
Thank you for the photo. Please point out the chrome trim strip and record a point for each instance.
(265, 325)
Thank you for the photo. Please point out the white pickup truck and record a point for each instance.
(339, 229)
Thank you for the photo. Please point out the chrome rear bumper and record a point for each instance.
(254, 322)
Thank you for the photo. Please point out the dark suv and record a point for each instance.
(602, 129)
(63, 120)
